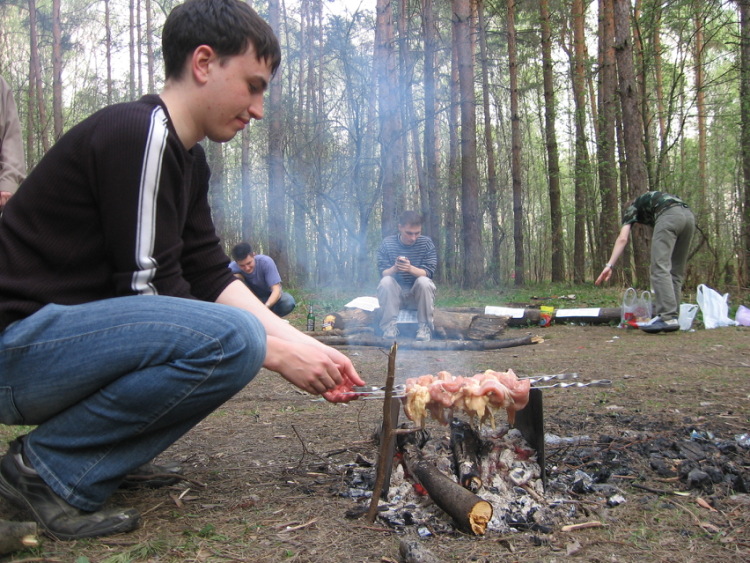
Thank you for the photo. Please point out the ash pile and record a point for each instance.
(586, 478)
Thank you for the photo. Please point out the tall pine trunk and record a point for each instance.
(276, 181)
(745, 137)
(608, 222)
(489, 147)
(553, 164)
(473, 257)
(432, 218)
(635, 163)
(515, 160)
(582, 166)
(391, 143)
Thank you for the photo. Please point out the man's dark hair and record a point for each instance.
(241, 251)
(227, 26)
(410, 218)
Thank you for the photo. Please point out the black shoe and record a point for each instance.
(153, 476)
(660, 325)
(22, 486)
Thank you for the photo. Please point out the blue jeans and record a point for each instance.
(113, 383)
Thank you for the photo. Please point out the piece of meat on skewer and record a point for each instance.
(479, 396)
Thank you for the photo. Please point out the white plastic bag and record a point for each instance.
(714, 307)
(687, 314)
(636, 309)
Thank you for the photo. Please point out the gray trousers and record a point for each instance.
(669, 252)
(392, 298)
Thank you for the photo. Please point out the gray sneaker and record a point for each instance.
(658, 324)
(424, 333)
(390, 332)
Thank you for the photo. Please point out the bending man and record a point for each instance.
(673, 224)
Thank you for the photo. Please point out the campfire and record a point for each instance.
(500, 478)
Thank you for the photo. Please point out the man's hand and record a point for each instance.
(319, 370)
(4, 197)
(403, 264)
(604, 276)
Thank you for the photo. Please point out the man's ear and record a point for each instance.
(203, 56)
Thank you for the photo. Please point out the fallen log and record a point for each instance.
(470, 512)
(15, 536)
(474, 325)
(532, 316)
(472, 345)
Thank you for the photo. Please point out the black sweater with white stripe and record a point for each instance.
(117, 207)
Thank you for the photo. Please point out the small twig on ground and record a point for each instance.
(305, 451)
(290, 528)
(376, 529)
(650, 489)
(581, 526)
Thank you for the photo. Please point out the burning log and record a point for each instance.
(470, 512)
(465, 444)
(15, 536)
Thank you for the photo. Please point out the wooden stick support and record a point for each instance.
(387, 438)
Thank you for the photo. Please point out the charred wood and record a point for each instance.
(470, 512)
(15, 536)
(465, 445)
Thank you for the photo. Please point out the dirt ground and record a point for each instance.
(267, 470)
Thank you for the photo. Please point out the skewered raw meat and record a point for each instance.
(479, 396)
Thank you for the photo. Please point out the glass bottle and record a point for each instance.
(310, 320)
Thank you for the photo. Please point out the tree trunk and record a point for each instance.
(635, 165)
(745, 136)
(489, 145)
(131, 48)
(609, 217)
(553, 165)
(108, 48)
(391, 145)
(150, 64)
(430, 129)
(582, 164)
(36, 90)
(215, 158)
(700, 106)
(473, 258)
(57, 109)
(277, 234)
(451, 269)
(519, 261)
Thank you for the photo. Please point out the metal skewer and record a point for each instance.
(557, 376)
(595, 383)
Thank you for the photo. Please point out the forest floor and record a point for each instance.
(267, 471)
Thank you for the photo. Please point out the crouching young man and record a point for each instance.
(121, 325)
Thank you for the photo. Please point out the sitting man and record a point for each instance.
(407, 262)
(260, 274)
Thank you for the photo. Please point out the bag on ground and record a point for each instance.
(636, 308)
(743, 316)
(714, 307)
